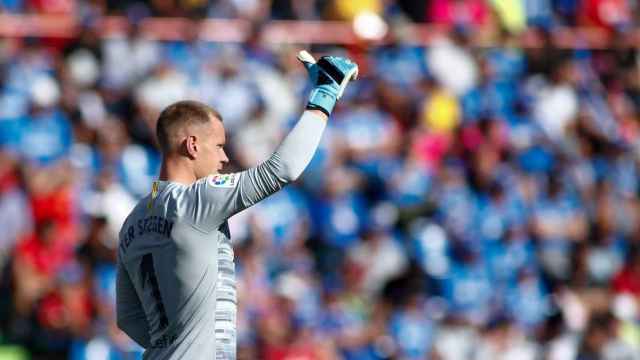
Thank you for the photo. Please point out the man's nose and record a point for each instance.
(225, 159)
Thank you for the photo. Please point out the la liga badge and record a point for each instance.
(223, 180)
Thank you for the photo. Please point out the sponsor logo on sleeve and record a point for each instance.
(223, 180)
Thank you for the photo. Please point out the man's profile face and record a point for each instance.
(211, 157)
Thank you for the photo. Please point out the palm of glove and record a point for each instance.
(330, 76)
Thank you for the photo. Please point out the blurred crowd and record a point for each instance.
(514, 15)
(465, 203)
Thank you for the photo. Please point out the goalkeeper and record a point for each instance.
(176, 290)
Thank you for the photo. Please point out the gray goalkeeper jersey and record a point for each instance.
(176, 290)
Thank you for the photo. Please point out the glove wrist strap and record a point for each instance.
(322, 99)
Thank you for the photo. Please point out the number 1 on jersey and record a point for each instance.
(148, 271)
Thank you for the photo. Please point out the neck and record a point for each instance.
(176, 170)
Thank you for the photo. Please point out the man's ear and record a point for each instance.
(191, 146)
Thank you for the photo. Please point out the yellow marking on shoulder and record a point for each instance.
(154, 194)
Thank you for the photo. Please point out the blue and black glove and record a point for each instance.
(330, 76)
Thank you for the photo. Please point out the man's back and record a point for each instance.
(174, 264)
(176, 293)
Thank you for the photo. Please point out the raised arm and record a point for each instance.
(222, 195)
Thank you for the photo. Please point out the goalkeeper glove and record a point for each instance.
(330, 76)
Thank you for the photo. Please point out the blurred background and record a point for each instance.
(475, 195)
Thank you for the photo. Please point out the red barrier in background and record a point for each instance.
(285, 32)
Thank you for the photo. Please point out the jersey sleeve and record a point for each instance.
(130, 315)
(220, 196)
